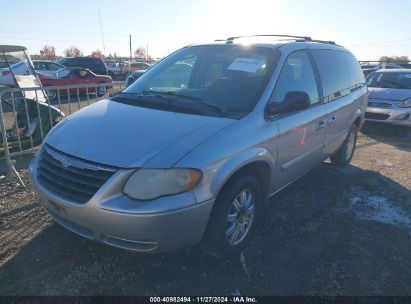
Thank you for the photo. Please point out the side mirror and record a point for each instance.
(293, 101)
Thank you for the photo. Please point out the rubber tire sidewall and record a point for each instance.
(98, 93)
(51, 97)
(339, 158)
(215, 241)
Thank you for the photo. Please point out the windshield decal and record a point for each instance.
(249, 65)
(406, 75)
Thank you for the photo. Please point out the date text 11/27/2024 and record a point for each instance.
(232, 299)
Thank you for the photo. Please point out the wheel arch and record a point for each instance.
(261, 166)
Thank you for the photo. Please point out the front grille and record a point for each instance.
(379, 104)
(70, 177)
(379, 116)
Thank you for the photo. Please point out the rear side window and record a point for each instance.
(71, 62)
(340, 73)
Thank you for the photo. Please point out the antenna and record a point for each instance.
(101, 29)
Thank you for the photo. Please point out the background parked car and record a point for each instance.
(74, 76)
(138, 66)
(134, 76)
(389, 97)
(116, 68)
(370, 68)
(96, 65)
(19, 68)
(46, 66)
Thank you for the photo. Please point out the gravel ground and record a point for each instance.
(334, 232)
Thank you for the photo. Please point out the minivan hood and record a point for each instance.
(389, 94)
(129, 136)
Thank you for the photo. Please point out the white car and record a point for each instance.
(46, 66)
(19, 68)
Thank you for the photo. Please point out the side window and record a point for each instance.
(54, 67)
(297, 74)
(340, 73)
(40, 66)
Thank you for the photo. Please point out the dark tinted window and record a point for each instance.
(340, 73)
(69, 62)
(296, 75)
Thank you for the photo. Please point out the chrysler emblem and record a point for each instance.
(65, 161)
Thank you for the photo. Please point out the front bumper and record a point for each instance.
(395, 116)
(164, 224)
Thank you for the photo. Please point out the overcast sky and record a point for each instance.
(368, 28)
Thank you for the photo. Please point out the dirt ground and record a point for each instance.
(334, 232)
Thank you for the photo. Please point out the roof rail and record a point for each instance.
(319, 41)
(298, 38)
(270, 35)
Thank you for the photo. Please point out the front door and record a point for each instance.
(301, 134)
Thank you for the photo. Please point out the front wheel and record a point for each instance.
(234, 217)
(344, 155)
(101, 90)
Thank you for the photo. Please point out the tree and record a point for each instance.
(97, 53)
(394, 59)
(73, 51)
(140, 52)
(48, 52)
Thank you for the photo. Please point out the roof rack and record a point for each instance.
(298, 38)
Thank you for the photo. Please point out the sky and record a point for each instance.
(369, 29)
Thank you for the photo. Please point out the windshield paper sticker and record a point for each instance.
(249, 65)
(406, 75)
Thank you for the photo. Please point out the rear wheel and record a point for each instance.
(101, 90)
(344, 155)
(234, 217)
(51, 94)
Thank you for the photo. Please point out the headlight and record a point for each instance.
(405, 104)
(147, 184)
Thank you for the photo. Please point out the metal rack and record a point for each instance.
(295, 38)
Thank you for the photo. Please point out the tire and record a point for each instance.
(51, 94)
(345, 153)
(101, 90)
(219, 239)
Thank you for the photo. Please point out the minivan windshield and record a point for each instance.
(392, 80)
(212, 80)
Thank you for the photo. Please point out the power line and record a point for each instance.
(381, 42)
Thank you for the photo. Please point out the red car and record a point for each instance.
(74, 76)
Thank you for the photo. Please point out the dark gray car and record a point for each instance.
(190, 152)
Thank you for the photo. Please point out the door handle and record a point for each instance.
(331, 119)
(320, 125)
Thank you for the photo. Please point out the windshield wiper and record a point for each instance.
(179, 95)
(136, 99)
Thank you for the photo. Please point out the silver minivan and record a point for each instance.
(190, 152)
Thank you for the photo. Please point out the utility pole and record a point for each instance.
(129, 64)
(147, 53)
(101, 29)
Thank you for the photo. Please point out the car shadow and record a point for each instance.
(398, 136)
(311, 241)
